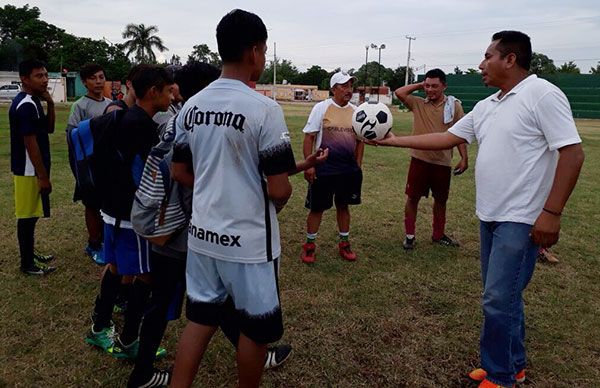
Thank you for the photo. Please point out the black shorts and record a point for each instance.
(344, 188)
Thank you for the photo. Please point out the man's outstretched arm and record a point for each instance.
(431, 141)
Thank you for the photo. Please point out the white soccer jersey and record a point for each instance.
(237, 137)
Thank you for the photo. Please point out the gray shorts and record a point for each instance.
(253, 290)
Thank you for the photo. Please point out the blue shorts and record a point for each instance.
(125, 249)
(253, 289)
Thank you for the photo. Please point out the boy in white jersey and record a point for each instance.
(241, 159)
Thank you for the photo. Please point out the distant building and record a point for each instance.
(371, 93)
(290, 92)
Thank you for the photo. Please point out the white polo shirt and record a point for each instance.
(518, 137)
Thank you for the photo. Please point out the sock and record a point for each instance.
(109, 287)
(124, 293)
(311, 237)
(439, 224)
(25, 236)
(410, 226)
(136, 306)
(344, 236)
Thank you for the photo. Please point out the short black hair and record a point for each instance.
(194, 77)
(27, 66)
(517, 43)
(238, 31)
(436, 73)
(150, 76)
(89, 70)
(133, 71)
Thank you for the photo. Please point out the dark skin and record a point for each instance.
(503, 72)
(36, 84)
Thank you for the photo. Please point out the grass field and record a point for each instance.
(392, 319)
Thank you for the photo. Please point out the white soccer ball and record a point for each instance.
(372, 121)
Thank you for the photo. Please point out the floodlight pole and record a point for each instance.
(275, 71)
(381, 47)
(366, 65)
(410, 39)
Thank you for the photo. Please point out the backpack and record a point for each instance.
(157, 214)
(91, 144)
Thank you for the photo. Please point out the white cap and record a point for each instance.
(341, 77)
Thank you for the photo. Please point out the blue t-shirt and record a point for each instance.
(27, 117)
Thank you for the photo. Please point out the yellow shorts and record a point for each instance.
(29, 203)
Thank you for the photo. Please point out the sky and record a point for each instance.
(333, 34)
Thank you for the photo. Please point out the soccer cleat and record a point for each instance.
(277, 355)
(488, 384)
(409, 243)
(446, 241)
(131, 351)
(104, 339)
(346, 251)
(480, 374)
(159, 378)
(39, 269)
(309, 253)
(95, 254)
(42, 258)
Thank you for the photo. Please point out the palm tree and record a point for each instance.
(142, 41)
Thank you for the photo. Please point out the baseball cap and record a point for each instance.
(341, 77)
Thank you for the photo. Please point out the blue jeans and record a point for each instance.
(508, 259)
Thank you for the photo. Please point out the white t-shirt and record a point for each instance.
(237, 137)
(518, 137)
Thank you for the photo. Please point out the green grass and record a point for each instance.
(392, 319)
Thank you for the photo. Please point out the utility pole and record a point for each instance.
(410, 39)
(275, 71)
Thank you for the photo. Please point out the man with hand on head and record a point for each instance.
(430, 170)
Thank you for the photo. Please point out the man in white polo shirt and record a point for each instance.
(528, 163)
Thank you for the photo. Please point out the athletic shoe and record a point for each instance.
(120, 307)
(546, 256)
(480, 375)
(95, 254)
(131, 351)
(446, 241)
(309, 253)
(277, 355)
(409, 243)
(158, 378)
(488, 384)
(104, 339)
(346, 252)
(38, 269)
(42, 258)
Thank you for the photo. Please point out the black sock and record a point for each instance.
(25, 235)
(95, 245)
(124, 293)
(136, 306)
(109, 287)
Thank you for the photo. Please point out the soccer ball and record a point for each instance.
(372, 121)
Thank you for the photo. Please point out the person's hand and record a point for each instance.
(44, 185)
(386, 141)
(546, 229)
(461, 167)
(47, 97)
(317, 157)
(310, 174)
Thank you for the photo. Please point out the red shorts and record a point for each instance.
(423, 176)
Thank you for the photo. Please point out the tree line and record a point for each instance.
(24, 35)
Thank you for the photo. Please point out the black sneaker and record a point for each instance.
(277, 355)
(40, 257)
(446, 241)
(158, 378)
(409, 243)
(38, 270)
